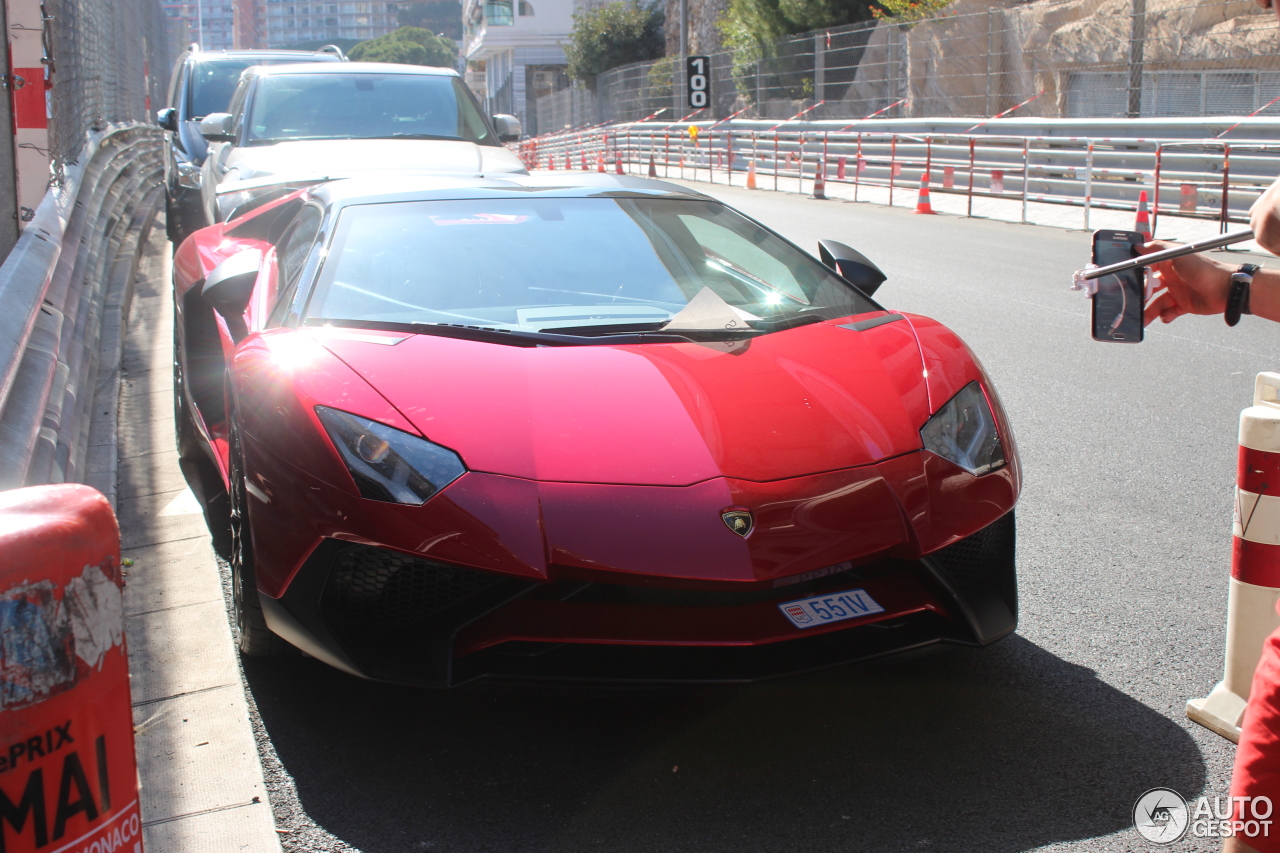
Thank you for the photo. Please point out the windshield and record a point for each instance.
(213, 82)
(572, 265)
(365, 106)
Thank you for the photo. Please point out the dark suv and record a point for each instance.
(202, 83)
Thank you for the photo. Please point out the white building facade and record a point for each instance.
(514, 54)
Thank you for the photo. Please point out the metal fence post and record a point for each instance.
(819, 67)
(1088, 184)
(893, 165)
(1026, 175)
(1155, 192)
(1226, 171)
(972, 143)
(857, 167)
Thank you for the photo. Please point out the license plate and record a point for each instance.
(834, 607)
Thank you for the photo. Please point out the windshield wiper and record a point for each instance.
(509, 337)
(789, 321)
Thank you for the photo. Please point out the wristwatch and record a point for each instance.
(1238, 296)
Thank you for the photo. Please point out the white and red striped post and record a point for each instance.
(1255, 561)
(29, 85)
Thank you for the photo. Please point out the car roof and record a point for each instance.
(351, 68)
(229, 55)
(375, 188)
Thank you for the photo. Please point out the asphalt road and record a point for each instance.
(1043, 740)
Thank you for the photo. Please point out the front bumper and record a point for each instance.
(384, 615)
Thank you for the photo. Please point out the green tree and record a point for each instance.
(409, 46)
(614, 34)
(440, 16)
(908, 10)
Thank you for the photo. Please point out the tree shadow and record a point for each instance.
(997, 749)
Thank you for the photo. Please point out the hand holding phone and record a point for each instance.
(1117, 306)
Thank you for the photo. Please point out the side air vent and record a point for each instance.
(371, 590)
(978, 558)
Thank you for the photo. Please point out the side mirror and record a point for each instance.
(852, 265)
(216, 127)
(508, 127)
(229, 287)
(167, 118)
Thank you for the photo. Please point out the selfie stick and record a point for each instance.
(1168, 254)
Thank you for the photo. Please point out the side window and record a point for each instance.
(292, 257)
(179, 71)
(236, 107)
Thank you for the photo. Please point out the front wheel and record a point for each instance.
(253, 637)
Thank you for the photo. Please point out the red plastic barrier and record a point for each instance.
(68, 779)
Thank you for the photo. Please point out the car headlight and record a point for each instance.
(189, 175)
(964, 432)
(389, 464)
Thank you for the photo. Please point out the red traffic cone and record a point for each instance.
(1143, 222)
(551, 163)
(922, 203)
(617, 163)
(653, 168)
(568, 161)
(820, 179)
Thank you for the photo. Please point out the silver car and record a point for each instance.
(333, 120)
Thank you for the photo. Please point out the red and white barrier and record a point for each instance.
(29, 100)
(68, 777)
(1255, 561)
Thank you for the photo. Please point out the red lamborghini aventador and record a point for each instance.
(579, 427)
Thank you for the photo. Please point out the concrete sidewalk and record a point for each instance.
(202, 785)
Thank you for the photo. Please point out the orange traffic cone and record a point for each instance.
(653, 167)
(820, 179)
(751, 174)
(568, 161)
(599, 162)
(617, 163)
(551, 163)
(1143, 223)
(922, 203)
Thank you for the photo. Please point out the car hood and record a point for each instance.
(355, 155)
(792, 403)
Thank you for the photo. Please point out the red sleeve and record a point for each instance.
(1257, 770)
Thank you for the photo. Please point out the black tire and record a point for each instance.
(253, 637)
(184, 428)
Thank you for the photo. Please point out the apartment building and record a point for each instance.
(514, 54)
(228, 24)
(289, 22)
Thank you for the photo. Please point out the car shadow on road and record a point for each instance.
(999, 749)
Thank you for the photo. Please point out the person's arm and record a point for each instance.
(1196, 284)
(1264, 219)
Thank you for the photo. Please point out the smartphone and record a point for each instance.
(1117, 306)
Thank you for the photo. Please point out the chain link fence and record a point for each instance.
(1052, 58)
(106, 59)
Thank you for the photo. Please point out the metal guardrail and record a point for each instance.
(1215, 179)
(65, 289)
